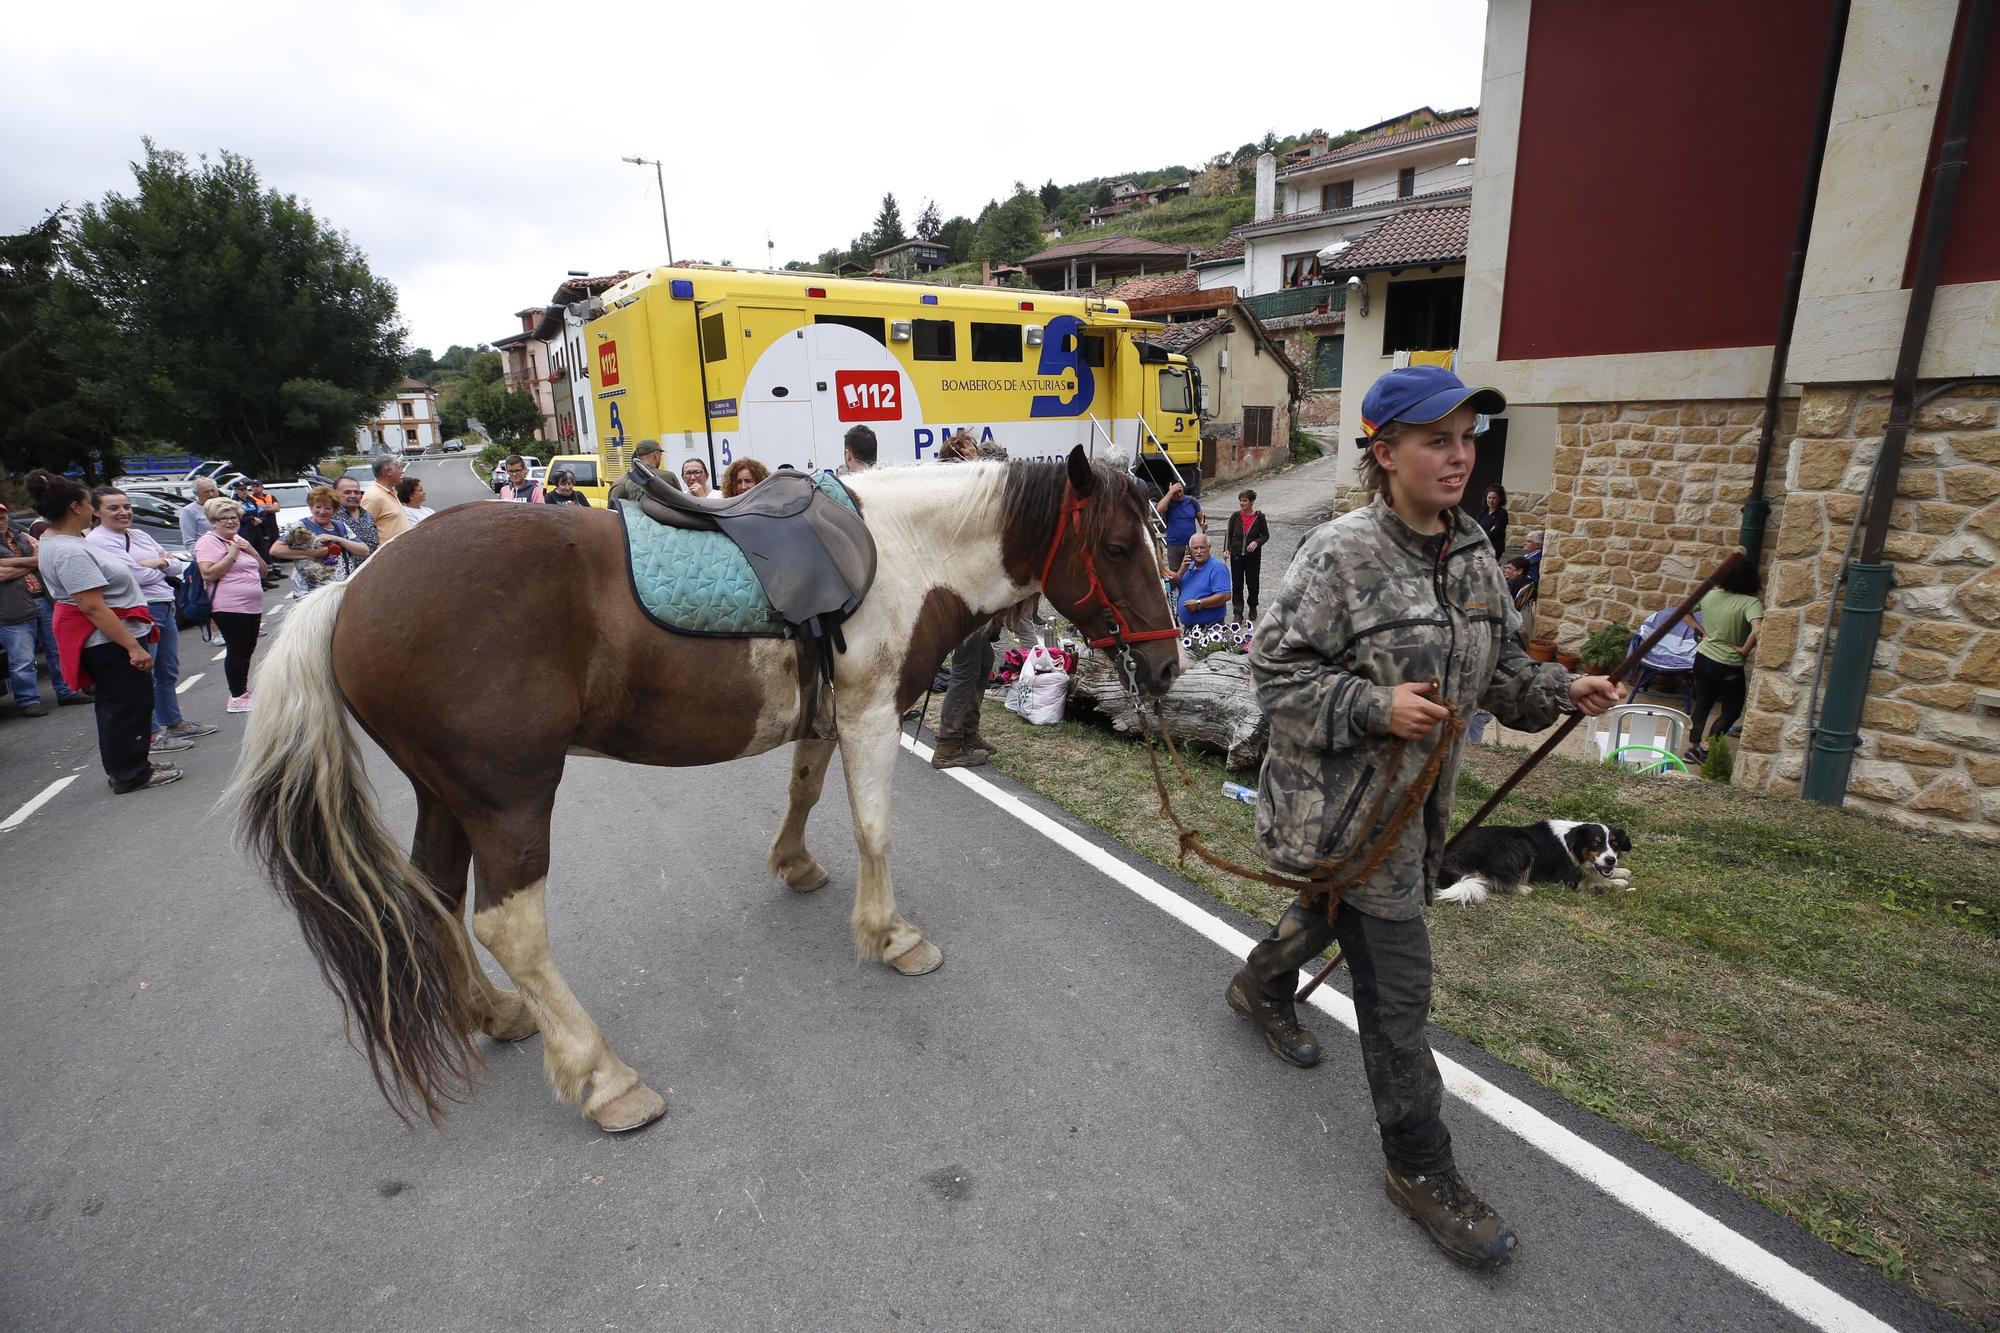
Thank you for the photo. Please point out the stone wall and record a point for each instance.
(1929, 749)
(1320, 408)
(1646, 499)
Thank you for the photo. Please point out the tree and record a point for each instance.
(219, 315)
(928, 225)
(888, 228)
(45, 418)
(419, 363)
(1101, 196)
(513, 416)
(1051, 196)
(960, 235)
(1013, 229)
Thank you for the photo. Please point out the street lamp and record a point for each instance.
(661, 178)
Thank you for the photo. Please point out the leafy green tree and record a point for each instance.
(1101, 196)
(209, 311)
(1012, 230)
(45, 418)
(959, 234)
(928, 225)
(513, 416)
(888, 229)
(1051, 196)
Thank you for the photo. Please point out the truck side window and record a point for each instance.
(1174, 392)
(714, 342)
(874, 328)
(1093, 350)
(934, 340)
(996, 342)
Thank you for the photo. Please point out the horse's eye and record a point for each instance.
(1117, 552)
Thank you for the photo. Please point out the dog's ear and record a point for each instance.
(1620, 841)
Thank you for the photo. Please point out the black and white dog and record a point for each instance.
(1513, 859)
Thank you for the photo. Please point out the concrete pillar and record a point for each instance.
(1267, 187)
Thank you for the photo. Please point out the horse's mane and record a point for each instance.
(1033, 500)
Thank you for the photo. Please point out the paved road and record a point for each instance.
(1065, 1127)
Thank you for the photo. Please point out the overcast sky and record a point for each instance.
(472, 151)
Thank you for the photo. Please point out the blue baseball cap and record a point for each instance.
(1422, 394)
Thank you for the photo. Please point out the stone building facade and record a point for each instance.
(1930, 734)
(1646, 498)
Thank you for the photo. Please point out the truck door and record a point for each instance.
(775, 421)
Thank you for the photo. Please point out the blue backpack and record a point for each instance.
(192, 604)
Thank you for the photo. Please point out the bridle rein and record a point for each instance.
(1094, 597)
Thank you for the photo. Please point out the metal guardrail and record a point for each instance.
(1329, 296)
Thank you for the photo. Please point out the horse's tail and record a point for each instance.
(384, 942)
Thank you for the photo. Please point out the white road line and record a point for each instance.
(1798, 1292)
(186, 681)
(219, 656)
(42, 798)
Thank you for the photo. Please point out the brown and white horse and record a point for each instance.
(402, 648)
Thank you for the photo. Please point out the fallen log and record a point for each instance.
(1213, 706)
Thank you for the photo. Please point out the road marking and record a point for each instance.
(41, 798)
(219, 656)
(1798, 1292)
(182, 688)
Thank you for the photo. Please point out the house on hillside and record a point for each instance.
(407, 423)
(1634, 331)
(912, 258)
(1098, 262)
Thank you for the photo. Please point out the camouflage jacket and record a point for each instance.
(1368, 604)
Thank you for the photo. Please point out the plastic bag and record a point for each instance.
(1043, 687)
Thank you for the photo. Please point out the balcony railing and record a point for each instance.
(1329, 297)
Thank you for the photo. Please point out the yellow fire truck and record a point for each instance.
(720, 364)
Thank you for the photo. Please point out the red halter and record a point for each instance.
(1124, 635)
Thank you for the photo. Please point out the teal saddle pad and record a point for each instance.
(701, 582)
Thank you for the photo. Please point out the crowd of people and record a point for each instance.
(101, 602)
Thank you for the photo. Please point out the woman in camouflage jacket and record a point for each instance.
(1390, 619)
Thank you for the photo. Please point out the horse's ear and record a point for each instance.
(1081, 478)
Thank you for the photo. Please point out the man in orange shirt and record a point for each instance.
(380, 499)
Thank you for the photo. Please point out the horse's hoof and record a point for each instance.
(815, 877)
(634, 1108)
(919, 958)
(518, 1029)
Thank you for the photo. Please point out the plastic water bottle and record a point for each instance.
(1236, 791)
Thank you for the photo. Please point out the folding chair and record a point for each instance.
(1654, 734)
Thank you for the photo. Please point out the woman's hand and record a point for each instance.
(1412, 716)
(157, 562)
(137, 655)
(1594, 695)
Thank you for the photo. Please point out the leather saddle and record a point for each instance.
(803, 536)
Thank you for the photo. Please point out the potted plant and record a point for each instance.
(1542, 650)
(1606, 648)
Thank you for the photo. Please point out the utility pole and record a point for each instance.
(661, 179)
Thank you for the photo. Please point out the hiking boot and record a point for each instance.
(155, 777)
(956, 754)
(975, 741)
(1457, 1219)
(1276, 1021)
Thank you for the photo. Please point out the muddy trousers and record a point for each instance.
(971, 664)
(1390, 962)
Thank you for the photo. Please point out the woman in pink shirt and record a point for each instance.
(234, 573)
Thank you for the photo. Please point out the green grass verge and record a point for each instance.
(1800, 1001)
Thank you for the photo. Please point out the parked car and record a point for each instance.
(454, 446)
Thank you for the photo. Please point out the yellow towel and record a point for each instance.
(1443, 358)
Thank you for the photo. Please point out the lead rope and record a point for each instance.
(1331, 877)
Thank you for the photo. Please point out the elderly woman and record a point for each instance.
(322, 549)
(741, 475)
(410, 493)
(234, 573)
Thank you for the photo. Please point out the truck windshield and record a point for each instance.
(1174, 392)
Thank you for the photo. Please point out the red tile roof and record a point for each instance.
(1416, 236)
(1187, 335)
(1231, 248)
(1443, 129)
(1157, 284)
